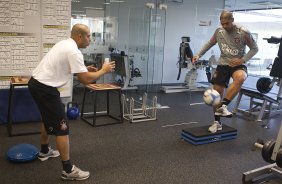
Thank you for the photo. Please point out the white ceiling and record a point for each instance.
(79, 6)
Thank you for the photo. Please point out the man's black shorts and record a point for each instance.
(50, 106)
(223, 73)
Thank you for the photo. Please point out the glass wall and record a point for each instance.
(263, 24)
(264, 20)
(146, 42)
(141, 43)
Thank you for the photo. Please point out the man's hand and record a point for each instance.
(195, 59)
(236, 62)
(108, 67)
(91, 68)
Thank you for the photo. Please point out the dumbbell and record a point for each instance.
(279, 158)
(266, 150)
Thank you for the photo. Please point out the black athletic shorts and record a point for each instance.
(223, 73)
(50, 106)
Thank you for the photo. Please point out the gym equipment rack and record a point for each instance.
(267, 172)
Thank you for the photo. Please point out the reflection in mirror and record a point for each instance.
(264, 20)
(259, 22)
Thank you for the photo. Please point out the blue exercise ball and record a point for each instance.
(22, 153)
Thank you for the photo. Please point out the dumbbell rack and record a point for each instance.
(268, 171)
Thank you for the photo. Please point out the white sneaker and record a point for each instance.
(51, 153)
(76, 174)
(223, 111)
(215, 127)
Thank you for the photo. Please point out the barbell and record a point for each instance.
(266, 150)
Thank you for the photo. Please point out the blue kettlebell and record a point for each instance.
(72, 110)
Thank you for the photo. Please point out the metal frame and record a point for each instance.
(260, 104)
(10, 109)
(137, 111)
(100, 114)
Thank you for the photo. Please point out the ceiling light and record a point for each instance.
(78, 15)
(267, 3)
(94, 8)
(176, 1)
(116, 1)
(77, 11)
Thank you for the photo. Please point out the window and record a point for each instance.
(263, 24)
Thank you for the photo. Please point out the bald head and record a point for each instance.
(79, 29)
(226, 15)
(80, 33)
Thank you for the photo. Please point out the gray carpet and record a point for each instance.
(147, 152)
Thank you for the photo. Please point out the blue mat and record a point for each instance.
(24, 109)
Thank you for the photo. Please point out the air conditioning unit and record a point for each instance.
(175, 1)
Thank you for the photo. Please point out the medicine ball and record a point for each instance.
(72, 111)
(264, 85)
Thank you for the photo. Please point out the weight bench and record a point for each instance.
(260, 104)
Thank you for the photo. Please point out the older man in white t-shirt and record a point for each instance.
(54, 71)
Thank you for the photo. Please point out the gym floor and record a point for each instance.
(148, 152)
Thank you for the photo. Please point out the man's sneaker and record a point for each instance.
(223, 111)
(51, 153)
(215, 127)
(76, 174)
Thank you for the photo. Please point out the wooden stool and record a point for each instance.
(15, 82)
(95, 89)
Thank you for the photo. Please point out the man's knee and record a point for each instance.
(239, 77)
(239, 80)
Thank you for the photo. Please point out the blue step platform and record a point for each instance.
(200, 135)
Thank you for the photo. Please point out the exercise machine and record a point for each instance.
(261, 103)
(185, 61)
(185, 54)
(124, 70)
(272, 153)
(121, 69)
